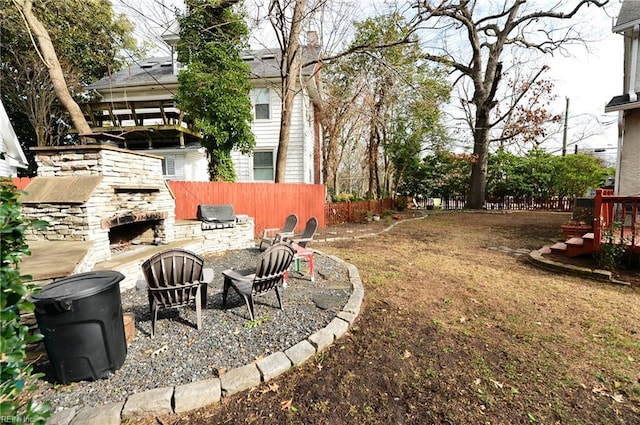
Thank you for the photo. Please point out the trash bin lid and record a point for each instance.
(78, 286)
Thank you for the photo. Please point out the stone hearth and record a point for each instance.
(86, 191)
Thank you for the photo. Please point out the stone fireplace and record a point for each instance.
(101, 194)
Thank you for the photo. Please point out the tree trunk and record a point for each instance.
(330, 164)
(50, 59)
(289, 88)
(479, 170)
(372, 158)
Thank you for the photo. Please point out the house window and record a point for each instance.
(263, 166)
(169, 165)
(262, 107)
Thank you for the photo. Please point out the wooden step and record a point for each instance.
(559, 247)
(579, 246)
(545, 250)
(574, 242)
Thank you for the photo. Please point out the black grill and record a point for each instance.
(216, 216)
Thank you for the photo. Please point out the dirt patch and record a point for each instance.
(455, 332)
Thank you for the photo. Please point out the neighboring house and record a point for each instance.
(137, 104)
(303, 156)
(11, 154)
(628, 104)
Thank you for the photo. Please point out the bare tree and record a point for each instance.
(49, 57)
(39, 101)
(490, 32)
(153, 18)
(288, 31)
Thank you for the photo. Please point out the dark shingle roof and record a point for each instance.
(622, 102)
(264, 64)
(629, 15)
(150, 71)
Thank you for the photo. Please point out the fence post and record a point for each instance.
(597, 219)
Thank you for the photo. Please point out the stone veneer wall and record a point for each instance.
(131, 186)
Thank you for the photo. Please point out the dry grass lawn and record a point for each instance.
(455, 332)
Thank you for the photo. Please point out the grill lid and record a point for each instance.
(216, 213)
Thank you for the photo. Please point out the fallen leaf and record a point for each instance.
(286, 405)
(600, 389)
(618, 397)
(496, 384)
(270, 388)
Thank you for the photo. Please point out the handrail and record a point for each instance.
(617, 215)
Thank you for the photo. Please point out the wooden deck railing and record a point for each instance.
(616, 216)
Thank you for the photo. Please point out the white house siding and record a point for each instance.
(628, 167)
(13, 156)
(190, 164)
(195, 166)
(6, 170)
(266, 134)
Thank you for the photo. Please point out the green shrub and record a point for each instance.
(16, 375)
(401, 203)
(612, 251)
(343, 197)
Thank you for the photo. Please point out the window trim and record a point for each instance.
(257, 92)
(165, 165)
(272, 167)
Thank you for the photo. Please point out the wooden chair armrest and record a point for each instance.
(266, 231)
(237, 276)
(283, 236)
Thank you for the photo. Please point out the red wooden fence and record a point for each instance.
(268, 203)
(351, 212)
(21, 182)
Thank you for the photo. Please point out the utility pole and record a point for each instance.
(566, 125)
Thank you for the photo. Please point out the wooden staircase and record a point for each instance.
(575, 246)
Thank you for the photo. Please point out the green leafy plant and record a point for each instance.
(16, 375)
(613, 249)
(401, 203)
(257, 322)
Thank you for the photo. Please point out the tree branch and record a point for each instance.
(519, 97)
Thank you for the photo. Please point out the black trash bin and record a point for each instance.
(81, 319)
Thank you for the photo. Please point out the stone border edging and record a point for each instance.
(186, 397)
(536, 258)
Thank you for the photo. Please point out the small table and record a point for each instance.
(303, 254)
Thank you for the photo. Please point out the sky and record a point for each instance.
(589, 78)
